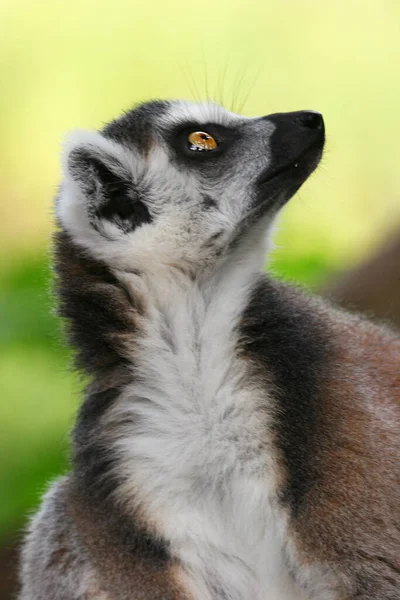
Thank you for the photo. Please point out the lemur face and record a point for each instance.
(180, 183)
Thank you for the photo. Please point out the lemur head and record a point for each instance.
(174, 183)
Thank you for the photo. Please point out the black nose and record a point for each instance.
(309, 119)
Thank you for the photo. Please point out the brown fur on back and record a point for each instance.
(354, 507)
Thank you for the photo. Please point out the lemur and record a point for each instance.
(238, 439)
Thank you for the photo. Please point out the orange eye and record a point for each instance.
(201, 141)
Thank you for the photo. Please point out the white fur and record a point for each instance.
(199, 462)
(206, 112)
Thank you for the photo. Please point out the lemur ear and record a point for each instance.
(102, 174)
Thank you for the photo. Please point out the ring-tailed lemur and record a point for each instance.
(238, 440)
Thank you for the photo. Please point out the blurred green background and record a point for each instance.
(78, 64)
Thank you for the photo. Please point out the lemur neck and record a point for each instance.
(186, 342)
(228, 276)
(176, 291)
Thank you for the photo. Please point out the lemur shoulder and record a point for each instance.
(238, 439)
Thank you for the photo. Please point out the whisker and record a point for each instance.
(205, 74)
(237, 83)
(185, 75)
(232, 90)
(221, 98)
(198, 93)
(250, 89)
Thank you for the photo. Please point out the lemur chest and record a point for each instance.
(201, 454)
(206, 415)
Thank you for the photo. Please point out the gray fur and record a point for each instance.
(55, 565)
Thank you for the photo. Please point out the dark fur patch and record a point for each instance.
(95, 479)
(136, 126)
(209, 202)
(110, 195)
(288, 346)
(93, 464)
(99, 314)
(212, 243)
(216, 236)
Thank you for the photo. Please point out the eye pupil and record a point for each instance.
(201, 141)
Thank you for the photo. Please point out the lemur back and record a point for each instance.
(238, 439)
